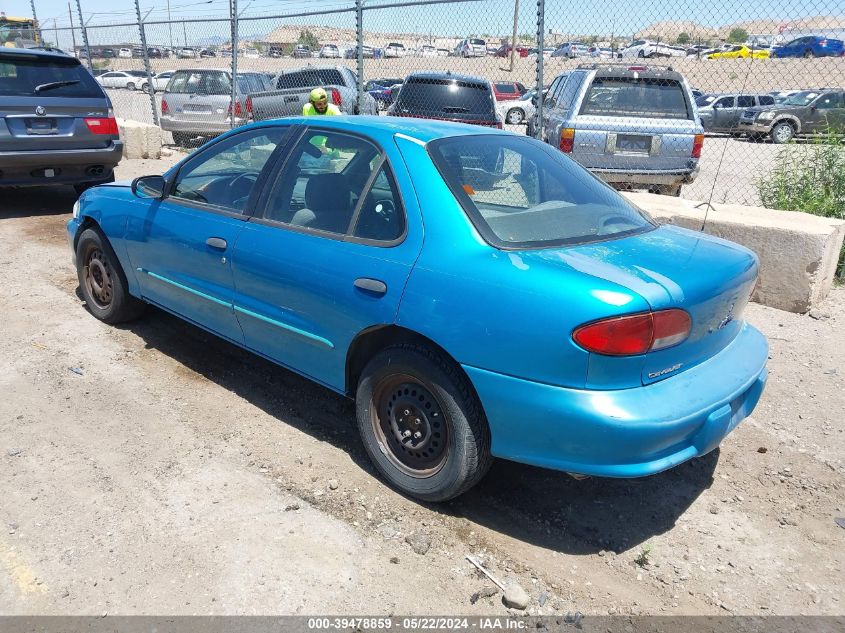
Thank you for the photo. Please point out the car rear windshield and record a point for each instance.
(310, 78)
(650, 97)
(520, 193)
(204, 82)
(446, 98)
(29, 76)
(508, 88)
(478, 42)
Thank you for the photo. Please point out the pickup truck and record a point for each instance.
(293, 87)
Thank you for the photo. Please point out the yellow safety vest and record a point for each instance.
(309, 110)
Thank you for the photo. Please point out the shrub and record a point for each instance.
(738, 35)
(809, 178)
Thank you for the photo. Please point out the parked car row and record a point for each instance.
(778, 116)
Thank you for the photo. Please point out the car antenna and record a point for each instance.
(709, 202)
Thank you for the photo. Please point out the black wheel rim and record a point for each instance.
(409, 424)
(98, 278)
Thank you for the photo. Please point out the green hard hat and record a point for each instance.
(318, 94)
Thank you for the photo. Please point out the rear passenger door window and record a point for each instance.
(745, 102)
(338, 184)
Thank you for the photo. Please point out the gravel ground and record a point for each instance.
(153, 468)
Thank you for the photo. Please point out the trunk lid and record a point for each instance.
(636, 144)
(61, 126)
(709, 278)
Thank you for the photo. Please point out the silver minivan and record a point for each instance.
(721, 112)
(635, 127)
(198, 102)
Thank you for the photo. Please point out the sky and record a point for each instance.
(495, 17)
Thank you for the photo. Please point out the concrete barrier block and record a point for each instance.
(140, 140)
(798, 252)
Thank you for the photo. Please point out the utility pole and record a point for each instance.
(72, 32)
(541, 43)
(513, 40)
(184, 34)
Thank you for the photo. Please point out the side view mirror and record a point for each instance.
(149, 187)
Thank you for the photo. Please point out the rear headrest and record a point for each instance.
(327, 192)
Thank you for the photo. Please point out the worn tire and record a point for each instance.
(466, 449)
(97, 267)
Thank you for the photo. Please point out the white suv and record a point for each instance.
(472, 47)
(395, 50)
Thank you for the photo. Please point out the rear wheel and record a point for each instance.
(130, 86)
(181, 138)
(783, 132)
(102, 280)
(666, 190)
(808, 54)
(421, 423)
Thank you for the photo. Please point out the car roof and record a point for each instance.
(383, 128)
(622, 70)
(448, 75)
(39, 53)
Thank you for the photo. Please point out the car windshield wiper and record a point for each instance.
(54, 84)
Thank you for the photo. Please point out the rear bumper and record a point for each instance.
(199, 127)
(649, 177)
(628, 432)
(66, 165)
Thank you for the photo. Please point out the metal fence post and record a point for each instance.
(36, 35)
(541, 43)
(150, 84)
(84, 37)
(359, 30)
(234, 67)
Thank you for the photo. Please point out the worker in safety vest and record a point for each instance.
(318, 104)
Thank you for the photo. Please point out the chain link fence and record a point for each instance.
(696, 99)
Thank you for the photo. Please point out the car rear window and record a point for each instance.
(22, 75)
(478, 42)
(636, 97)
(520, 193)
(206, 82)
(446, 98)
(309, 78)
(506, 88)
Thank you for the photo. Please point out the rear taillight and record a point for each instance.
(567, 140)
(238, 110)
(248, 106)
(164, 107)
(336, 97)
(697, 145)
(100, 125)
(498, 124)
(634, 334)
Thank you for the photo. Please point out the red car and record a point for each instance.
(506, 90)
(505, 51)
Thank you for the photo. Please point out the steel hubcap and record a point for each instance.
(410, 426)
(98, 279)
(782, 133)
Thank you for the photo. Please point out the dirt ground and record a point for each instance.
(154, 469)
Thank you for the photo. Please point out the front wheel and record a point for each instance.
(514, 116)
(783, 133)
(102, 280)
(421, 423)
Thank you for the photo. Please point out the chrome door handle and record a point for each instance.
(217, 242)
(374, 286)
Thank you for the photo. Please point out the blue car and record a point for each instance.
(478, 293)
(810, 46)
(382, 91)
